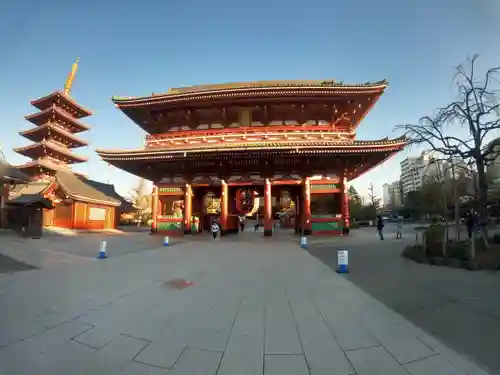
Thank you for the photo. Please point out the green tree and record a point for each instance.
(355, 204)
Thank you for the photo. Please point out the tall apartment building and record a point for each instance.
(391, 194)
(412, 172)
(415, 171)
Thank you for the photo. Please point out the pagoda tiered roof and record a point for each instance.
(62, 100)
(60, 116)
(53, 131)
(48, 148)
(43, 166)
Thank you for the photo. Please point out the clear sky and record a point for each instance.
(139, 47)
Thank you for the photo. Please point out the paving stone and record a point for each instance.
(375, 361)
(433, 365)
(281, 331)
(348, 332)
(211, 331)
(398, 337)
(244, 354)
(323, 353)
(135, 368)
(197, 362)
(162, 353)
(459, 362)
(285, 364)
(40, 349)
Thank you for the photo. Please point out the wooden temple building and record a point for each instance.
(77, 202)
(219, 152)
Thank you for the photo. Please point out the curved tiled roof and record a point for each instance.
(81, 189)
(53, 146)
(40, 117)
(250, 89)
(11, 174)
(41, 130)
(49, 100)
(382, 145)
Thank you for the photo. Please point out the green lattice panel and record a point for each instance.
(326, 225)
(164, 226)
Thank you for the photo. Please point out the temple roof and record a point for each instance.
(43, 164)
(31, 200)
(31, 188)
(39, 149)
(79, 188)
(280, 85)
(11, 174)
(46, 131)
(62, 99)
(41, 118)
(351, 146)
(75, 186)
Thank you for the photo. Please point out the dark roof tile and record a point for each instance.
(11, 174)
(80, 188)
(30, 200)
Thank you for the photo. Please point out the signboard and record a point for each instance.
(97, 214)
(342, 258)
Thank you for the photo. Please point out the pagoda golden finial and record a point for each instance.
(71, 77)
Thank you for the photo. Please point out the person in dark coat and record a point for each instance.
(380, 226)
(470, 222)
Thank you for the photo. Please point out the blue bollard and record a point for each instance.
(342, 261)
(102, 251)
(166, 240)
(303, 242)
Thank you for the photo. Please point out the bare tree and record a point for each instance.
(141, 200)
(475, 109)
(374, 200)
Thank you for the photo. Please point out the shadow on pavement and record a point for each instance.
(10, 265)
(459, 307)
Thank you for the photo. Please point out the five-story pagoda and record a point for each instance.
(281, 148)
(77, 202)
(54, 134)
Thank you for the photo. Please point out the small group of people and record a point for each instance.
(380, 227)
(215, 228)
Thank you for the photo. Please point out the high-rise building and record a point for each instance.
(415, 171)
(391, 194)
(412, 169)
(386, 197)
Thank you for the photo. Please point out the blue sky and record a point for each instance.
(136, 48)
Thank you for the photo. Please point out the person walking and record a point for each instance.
(215, 229)
(380, 226)
(470, 222)
(399, 224)
(242, 223)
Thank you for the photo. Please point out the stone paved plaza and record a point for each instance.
(254, 307)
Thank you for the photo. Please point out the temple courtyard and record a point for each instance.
(241, 305)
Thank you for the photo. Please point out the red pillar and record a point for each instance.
(307, 224)
(223, 206)
(346, 217)
(188, 208)
(268, 219)
(154, 209)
